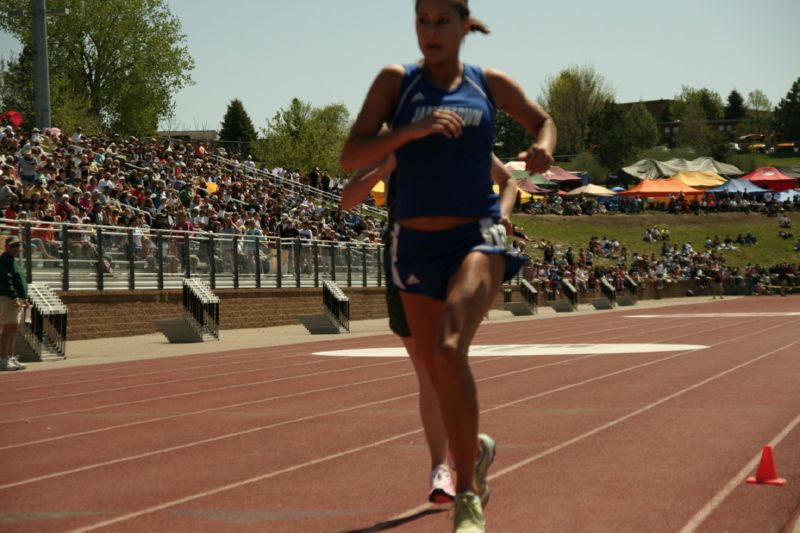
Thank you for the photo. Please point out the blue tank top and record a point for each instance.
(437, 176)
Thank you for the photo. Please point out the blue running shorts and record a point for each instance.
(424, 261)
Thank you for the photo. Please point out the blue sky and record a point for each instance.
(266, 52)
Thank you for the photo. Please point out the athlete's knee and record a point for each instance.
(450, 360)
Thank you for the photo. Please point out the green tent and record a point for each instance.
(536, 179)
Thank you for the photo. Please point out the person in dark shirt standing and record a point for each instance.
(13, 295)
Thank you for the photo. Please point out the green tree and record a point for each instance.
(617, 132)
(126, 58)
(690, 100)
(694, 130)
(237, 130)
(68, 109)
(16, 86)
(759, 112)
(588, 163)
(787, 114)
(304, 137)
(735, 109)
(644, 127)
(510, 137)
(571, 97)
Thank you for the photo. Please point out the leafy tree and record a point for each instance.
(588, 163)
(644, 127)
(735, 109)
(237, 128)
(694, 131)
(571, 97)
(126, 58)
(304, 137)
(759, 112)
(16, 86)
(68, 109)
(787, 114)
(617, 132)
(510, 137)
(690, 100)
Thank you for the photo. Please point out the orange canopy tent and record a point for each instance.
(661, 188)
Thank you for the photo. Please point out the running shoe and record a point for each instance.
(14, 361)
(488, 449)
(442, 488)
(6, 365)
(467, 514)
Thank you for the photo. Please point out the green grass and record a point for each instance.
(629, 229)
(750, 162)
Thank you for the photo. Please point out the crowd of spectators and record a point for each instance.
(146, 183)
(705, 267)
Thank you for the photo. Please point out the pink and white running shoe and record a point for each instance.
(442, 489)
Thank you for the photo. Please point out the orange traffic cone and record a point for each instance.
(766, 473)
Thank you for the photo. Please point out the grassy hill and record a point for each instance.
(629, 229)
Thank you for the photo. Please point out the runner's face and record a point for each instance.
(440, 29)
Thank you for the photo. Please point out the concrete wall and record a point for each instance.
(103, 314)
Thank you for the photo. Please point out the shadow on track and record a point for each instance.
(389, 524)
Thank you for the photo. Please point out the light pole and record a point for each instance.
(41, 79)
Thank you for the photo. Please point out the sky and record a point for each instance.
(267, 52)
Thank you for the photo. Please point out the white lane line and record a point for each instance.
(717, 315)
(186, 499)
(220, 360)
(123, 459)
(194, 393)
(735, 482)
(162, 398)
(239, 433)
(162, 366)
(637, 412)
(598, 429)
(157, 370)
(531, 350)
(238, 484)
(160, 383)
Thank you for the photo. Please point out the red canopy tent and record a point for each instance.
(661, 188)
(559, 175)
(772, 179)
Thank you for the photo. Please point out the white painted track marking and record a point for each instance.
(735, 482)
(173, 503)
(529, 350)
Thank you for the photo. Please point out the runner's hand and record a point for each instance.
(537, 159)
(506, 222)
(440, 121)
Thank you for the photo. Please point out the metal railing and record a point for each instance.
(90, 257)
(202, 306)
(337, 305)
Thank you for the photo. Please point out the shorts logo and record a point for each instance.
(413, 280)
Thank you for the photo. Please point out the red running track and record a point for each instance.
(279, 439)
